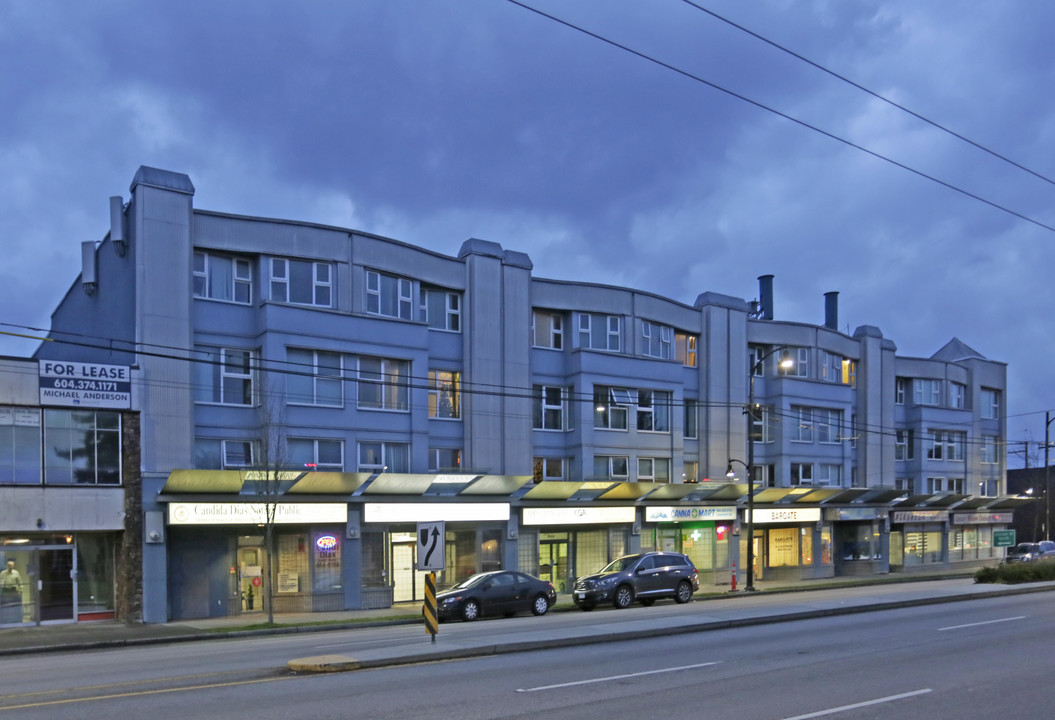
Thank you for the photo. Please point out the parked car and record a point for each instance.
(1024, 552)
(644, 577)
(502, 592)
(1047, 548)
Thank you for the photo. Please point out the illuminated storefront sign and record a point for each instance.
(773, 515)
(853, 514)
(981, 518)
(325, 543)
(255, 513)
(579, 516)
(434, 512)
(908, 516)
(677, 514)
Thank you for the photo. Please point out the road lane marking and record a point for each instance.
(138, 693)
(866, 703)
(987, 622)
(617, 677)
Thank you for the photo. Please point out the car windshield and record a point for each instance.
(472, 581)
(623, 563)
(1023, 548)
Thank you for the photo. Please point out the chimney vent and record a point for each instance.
(831, 310)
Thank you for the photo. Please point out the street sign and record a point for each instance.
(431, 555)
(432, 625)
(1003, 538)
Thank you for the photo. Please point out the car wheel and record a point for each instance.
(624, 596)
(647, 601)
(684, 592)
(470, 610)
(540, 606)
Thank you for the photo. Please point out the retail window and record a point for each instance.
(20, 446)
(82, 447)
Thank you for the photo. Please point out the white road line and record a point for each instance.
(987, 622)
(866, 703)
(617, 677)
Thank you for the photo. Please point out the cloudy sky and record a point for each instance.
(638, 153)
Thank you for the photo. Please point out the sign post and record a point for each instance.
(1003, 538)
(431, 556)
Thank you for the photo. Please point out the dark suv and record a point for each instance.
(644, 577)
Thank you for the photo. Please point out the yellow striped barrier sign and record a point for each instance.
(432, 624)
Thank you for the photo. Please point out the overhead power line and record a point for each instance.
(778, 113)
(874, 94)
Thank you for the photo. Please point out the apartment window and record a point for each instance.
(904, 445)
(801, 473)
(224, 376)
(445, 394)
(440, 309)
(946, 445)
(853, 430)
(900, 389)
(653, 470)
(445, 459)
(326, 455)
(926, 392)
(906, 484)
(685, 348)
(653, 411)
(800, 367)
(210, 454)
(990, 404)
(237, 453)
(762, 424)
(384, 384)
(599, 332)
(549, 469)
(19, 446)
(388, 295)
(954, 485)
(692, 471)
(549, 407)
(547, 330)
(82, 447)
(989, 449)
(302, 282)
(829, 425)
(803, 419)
(314, 377)
(691, 418)
(756, 357)
(934, 485)
(828, 474)
(222, 277)
(656, 340)
(957, 395)
(384, 457)
(611, 407)
(616, 467)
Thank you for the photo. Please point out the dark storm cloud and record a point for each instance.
(433, 122)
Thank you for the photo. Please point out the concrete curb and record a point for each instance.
(342, 664)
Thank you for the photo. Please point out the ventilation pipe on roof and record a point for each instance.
(831, 310)
(765, 295)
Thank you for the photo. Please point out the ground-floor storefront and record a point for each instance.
(700, 531)
(789, 544)
(55, 578)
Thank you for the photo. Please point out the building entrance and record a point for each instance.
(553, 560)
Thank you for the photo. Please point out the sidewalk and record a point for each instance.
(772, 602)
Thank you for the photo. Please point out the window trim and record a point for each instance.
(237, 279)
(450, 385)
(286, 279)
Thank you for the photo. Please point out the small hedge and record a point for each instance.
(1012, 573)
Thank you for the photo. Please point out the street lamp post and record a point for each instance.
(1047, 485)
(749, 411)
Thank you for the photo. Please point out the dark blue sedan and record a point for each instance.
(503, 592)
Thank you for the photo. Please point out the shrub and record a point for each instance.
(1010, 574)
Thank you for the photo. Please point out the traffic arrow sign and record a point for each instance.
(430, 546)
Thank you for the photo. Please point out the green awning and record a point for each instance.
(329, 483)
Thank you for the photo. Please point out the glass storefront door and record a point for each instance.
(553, 560)
(56, 584)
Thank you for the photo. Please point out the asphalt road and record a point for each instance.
(986, 659)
